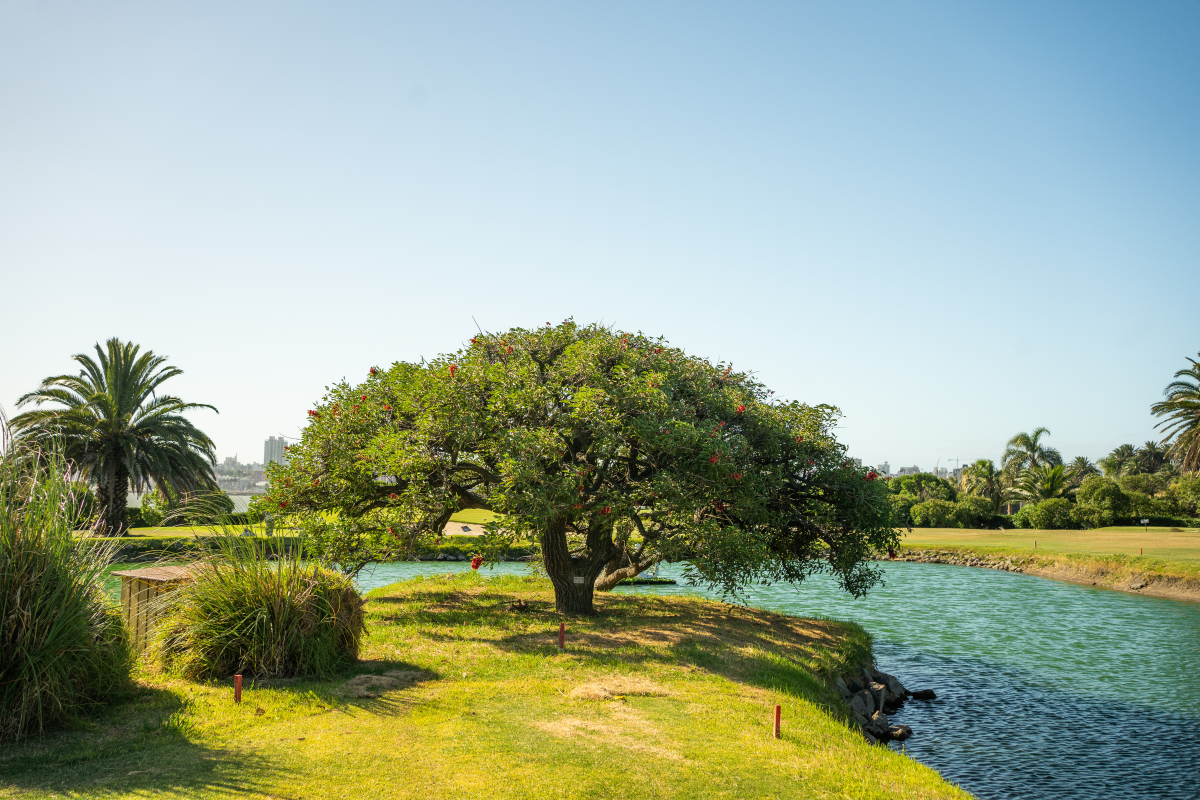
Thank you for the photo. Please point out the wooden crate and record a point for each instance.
(139, 589)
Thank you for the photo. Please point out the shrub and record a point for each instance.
(1148, 483)
(1156, 521)
(63, 646)
(902, 506)
(1053, 514)
(934, 514)
(246, 613)
(1090, 517)
(1185, 495)
(1100, 492)
(974, 512)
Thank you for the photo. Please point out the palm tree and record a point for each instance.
(1025, 451)
(1045, 482)
(1081, 468)
(116, 430)
(1151, 457)
(1120, 461)
(1182, 411)
(981, 478)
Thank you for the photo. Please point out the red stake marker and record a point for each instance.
(562, 636)
(237, 688)
(776, 722)
(1139, 551)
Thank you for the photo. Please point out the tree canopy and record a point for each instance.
(609, 450)
(116, 428)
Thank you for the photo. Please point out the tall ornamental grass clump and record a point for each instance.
(63, 645)
(259, 615)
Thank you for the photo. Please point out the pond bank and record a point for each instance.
(1132, 574)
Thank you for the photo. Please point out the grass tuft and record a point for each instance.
(63, 646)
(263, 616)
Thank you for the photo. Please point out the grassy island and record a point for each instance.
(462, 692)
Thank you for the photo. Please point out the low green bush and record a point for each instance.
(934, 514)
(1158, 521)
(63, 646)
(1090, 517)
(246, 612)
(1053, 514)
(973, 512)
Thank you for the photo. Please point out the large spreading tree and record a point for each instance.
(611, 451)
(118, 429)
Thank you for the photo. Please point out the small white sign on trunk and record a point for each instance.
(579, 579)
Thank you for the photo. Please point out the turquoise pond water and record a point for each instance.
(1045, 689)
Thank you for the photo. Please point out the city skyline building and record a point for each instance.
(274, 450)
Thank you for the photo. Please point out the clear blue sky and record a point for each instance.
(953, 220)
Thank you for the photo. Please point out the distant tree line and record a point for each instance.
(1159, 481)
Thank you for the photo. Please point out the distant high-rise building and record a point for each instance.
(273, 452)
(884, 468)
(909, 470)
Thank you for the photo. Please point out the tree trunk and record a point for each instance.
(573, 577)
(117, 499)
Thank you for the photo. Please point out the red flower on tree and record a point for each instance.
(605, 510)
(393, 496)
(374, 371)
(713, 459)
(387, 408)
(476, 562)
(872, 475)
(741, 408)
(737, 476)
(799, 438)
(453, 369)
(283, 504)
(312, 413)
(719, 506)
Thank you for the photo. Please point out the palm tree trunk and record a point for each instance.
(117, 492)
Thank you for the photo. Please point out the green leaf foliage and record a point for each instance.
(934, 514)
(1051, 514)
(571, 432)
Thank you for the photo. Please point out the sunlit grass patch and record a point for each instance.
(492, 709)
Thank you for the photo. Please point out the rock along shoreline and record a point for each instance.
(1092, 571)
(871, 696)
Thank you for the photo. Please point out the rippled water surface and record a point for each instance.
(1045, 689)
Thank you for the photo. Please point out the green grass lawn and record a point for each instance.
(1170, 551)
(487, 707)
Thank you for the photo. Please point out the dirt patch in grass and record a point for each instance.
(361, 686)
(612, 688)
(626, 728)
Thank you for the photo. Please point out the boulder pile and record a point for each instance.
(871, 696)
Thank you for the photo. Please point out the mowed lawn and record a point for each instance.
(653, 698)
(1167, 544)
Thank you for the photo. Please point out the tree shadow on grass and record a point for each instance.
(140, 745)
(745, 645)
(382, 698)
